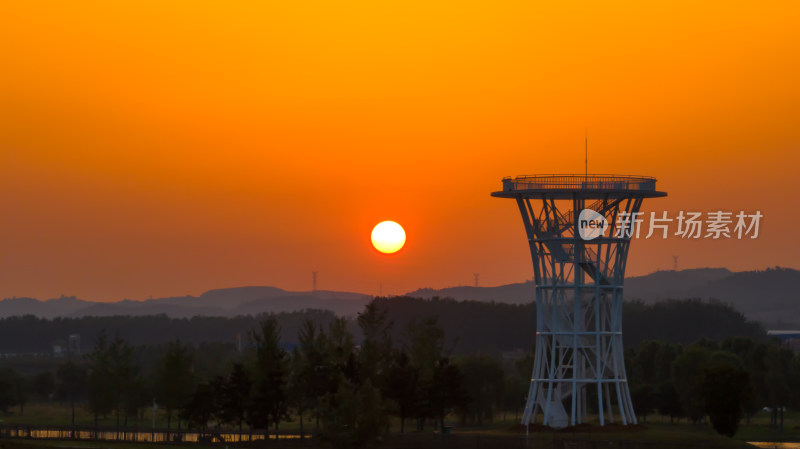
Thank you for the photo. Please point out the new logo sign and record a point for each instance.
(591, 224)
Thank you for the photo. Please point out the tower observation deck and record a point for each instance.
(579, 229)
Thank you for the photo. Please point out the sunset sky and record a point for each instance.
(168, 148)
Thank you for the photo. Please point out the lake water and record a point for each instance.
(134, 436)
(770, 445)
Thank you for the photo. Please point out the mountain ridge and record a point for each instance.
(770, 296)
(225, 302)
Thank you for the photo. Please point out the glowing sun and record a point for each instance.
(388, 237)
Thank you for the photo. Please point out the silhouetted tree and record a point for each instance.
(71, 384)
(174, 379)
(270, 395)
(723, 386)
(44, 385)
(643, 397)
(10, 382)
(375, 353)
(427, 340)
(483, 382)
(446, 390)
(236, 395)
(101, 382)
(751, 354)
(353, 416)
(340, 342)
(794, 381)
(427, 345)
(402, 386)
(127, 385)
(687, 370)
(311, 370)
(668, 402)
(778, 365)
(203, 404)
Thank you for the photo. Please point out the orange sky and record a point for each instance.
(167, 148)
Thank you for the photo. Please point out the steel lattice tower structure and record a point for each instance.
(579, 276)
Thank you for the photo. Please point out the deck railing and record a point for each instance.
(580, 182)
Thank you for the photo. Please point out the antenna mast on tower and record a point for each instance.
(586, 155)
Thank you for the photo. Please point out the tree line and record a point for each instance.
(470, 326)
(345, 391)
(723, 381)
(342, 380)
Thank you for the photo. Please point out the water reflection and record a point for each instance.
(774, 445)
(138, 436)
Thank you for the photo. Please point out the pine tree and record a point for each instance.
(174, 379)
(270, 403)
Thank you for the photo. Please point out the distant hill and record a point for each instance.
(51, 308)
(672, 284)
(227, 302)
(771, 296)
(521, 293)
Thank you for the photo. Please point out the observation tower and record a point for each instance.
(579, 229)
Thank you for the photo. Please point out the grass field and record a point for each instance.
(658, 427)
(654, 434)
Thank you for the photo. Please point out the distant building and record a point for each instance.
(789, 338)
(74, 345)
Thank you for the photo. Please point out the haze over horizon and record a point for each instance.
(164, 150)
(322, 289)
